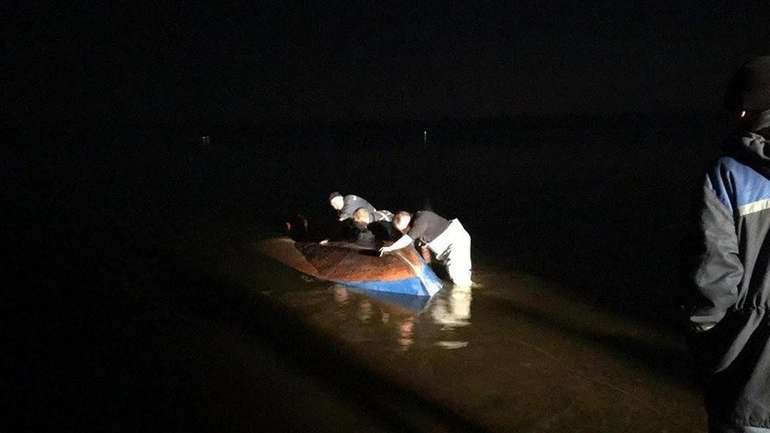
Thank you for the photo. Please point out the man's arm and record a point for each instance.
(719, 270)
(403, 241)
(345, 213)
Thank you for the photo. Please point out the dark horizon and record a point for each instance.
(173, 64)
(521, 120)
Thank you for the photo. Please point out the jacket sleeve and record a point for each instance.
(718, 269)
(347, 209)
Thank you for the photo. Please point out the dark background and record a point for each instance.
(541, 118)
(267, 62)
(569, 139)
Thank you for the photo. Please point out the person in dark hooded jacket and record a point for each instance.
(345, 205)
(728, 307)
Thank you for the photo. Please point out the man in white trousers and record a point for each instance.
(447, 239)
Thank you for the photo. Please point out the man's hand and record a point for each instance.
(384, 250)
(324, 242)
(425, 253)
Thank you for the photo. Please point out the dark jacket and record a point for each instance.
(351, 203)
(728, 305)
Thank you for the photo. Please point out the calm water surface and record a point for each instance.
(599, 209)
(514, 353)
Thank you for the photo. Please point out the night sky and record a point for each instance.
(265, 63)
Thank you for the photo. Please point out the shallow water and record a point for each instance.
(595, 211)
(514, 354)
(587, 345)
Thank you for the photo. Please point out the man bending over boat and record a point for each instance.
(347, 205)
(381, 230)
(447, 239)
(361, 229)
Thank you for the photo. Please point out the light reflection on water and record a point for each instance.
(406, 333)
(513, 316)
(513, 353)
(407, 318)
(341, 295)
(453, 309)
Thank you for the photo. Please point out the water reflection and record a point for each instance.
(407, 321)
(406, 333)
(453, 309)
(516, 334)
(364, 310)
(340, 295)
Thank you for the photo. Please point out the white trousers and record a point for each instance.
(453, 249)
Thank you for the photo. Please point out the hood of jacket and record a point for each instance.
(752, 145)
